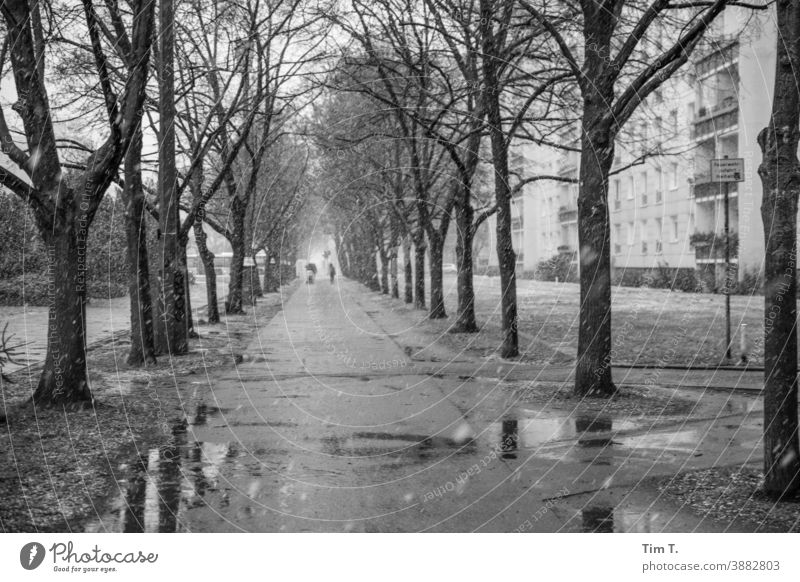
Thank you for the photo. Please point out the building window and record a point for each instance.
(643, 186)
(617, 239)
(673, 121)
(673, 176)
(617, 195)
(644, 237)
(659, 186)
(674, 221)
(630, 234)
(659, 230)
(631, 188)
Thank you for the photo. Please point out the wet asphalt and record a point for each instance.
(327, 424)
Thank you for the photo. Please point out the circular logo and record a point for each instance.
(31, 555)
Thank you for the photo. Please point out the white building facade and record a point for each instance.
(664, 211)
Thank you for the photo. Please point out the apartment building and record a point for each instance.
(664, 210)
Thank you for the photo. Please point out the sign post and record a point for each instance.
(724, 171)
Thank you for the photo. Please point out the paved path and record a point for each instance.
(328, 426)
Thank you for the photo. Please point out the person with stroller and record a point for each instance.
(311, 271)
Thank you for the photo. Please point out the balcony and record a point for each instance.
(567, 214)
(709, 247)
(714, 120)
(705, 191)
(718, 59)
(568, 163)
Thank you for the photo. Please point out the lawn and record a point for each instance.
(650, 326)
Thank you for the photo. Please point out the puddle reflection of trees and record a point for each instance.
(171, 479)
(591, 430)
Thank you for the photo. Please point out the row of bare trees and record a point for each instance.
(415, 103)
(197, 104)
(427, 96)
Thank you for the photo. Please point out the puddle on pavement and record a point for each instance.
(532, 429)
(637, 517)
(407, 446)
(159, 485)
(202, 411)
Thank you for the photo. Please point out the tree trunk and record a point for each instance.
(207, 257)
(371, 280)
(780, 177)
(419, 272)
(142, 350)
(187, 297)
(234, 301)
(272, 274)
(64, 379)
(506, 258)
(384, 272)
(465, 321)
(173, 332)
(395, 282)
(256, 283)
(408, 272)
(437, 284)
(593, 371)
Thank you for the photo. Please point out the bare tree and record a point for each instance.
(64, 211)
(612, 85)
(780, 176)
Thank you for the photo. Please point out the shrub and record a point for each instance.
(660, 277)
(24, 255)
(31, 289)
(558, 267)
(752, 283)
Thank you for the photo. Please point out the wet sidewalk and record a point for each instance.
(328, 424)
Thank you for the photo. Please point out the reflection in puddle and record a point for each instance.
(509, 438)
(201, 413)
(170, 479)
(685, 441)
(531, 432)
(416, 446)
(607, 519)
(598, 519)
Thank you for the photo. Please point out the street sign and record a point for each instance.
(727, 170)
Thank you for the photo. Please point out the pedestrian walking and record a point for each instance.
(332, 272)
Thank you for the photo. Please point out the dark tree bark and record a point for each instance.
(64, 379)
(593, 372)
(465, 320)
(256, 283)
(506, 258)
(207, 257)
(384, 272)
(419, 271)
(183, 240)
(142, 350)
(395, 281)
(237, 216)
(172, 331)
(780, 177)
(200, 237)
(272, 274)
(436, 247)
(408, 272)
